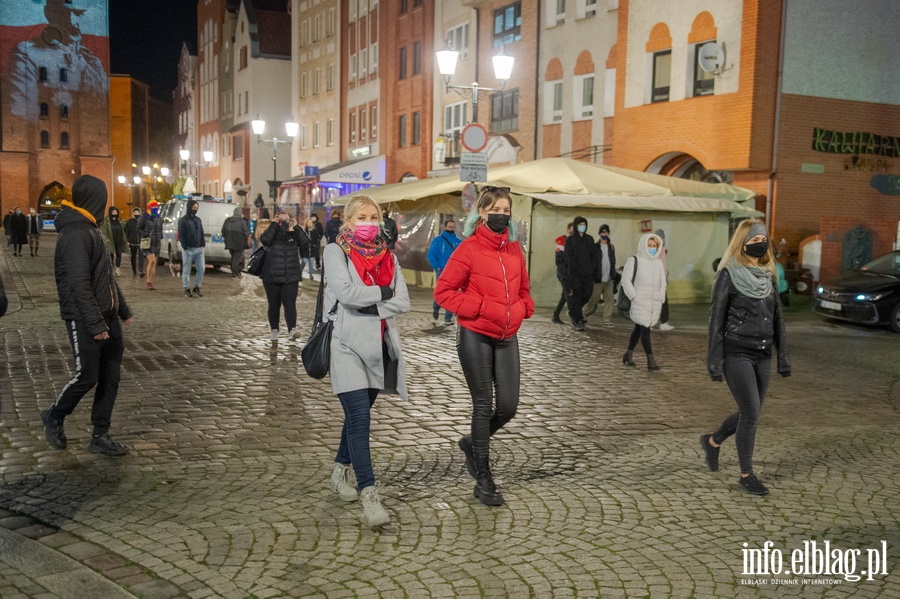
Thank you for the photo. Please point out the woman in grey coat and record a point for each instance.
(365, 280)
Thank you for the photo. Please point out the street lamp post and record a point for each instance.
(186, 163)
(259, 127)
(136, 181)
(447, 57)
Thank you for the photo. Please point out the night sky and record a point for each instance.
(146, 42)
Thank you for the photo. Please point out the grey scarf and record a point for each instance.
(751, 281)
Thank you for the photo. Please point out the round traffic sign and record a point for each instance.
(474, 137)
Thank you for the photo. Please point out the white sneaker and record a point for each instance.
(274, 335)
(341, 483)
(292, 334)
(373, 513)
(665, 327)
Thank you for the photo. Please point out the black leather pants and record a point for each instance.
(491, 366)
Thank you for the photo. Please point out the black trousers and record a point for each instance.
(236, 257)
(747, 374)
(642, 333)
(137, 259)
(97, 363)
(278, 295)
(580, 290)
(562, 298)
(491, 366)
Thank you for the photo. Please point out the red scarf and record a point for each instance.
(373, 260)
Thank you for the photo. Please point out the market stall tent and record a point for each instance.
(549, 193)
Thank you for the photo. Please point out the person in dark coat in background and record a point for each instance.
(389, 230)
(133, 236)
(18, 230)
(94, 311)
(333, 228)
(114, 236)
(35, 228)
(317, 241)
(281, 271)
(582, 260)
(6, 230)
(236, 234)
(561, 273)
(605, 279)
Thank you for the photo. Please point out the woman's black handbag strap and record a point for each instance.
(321, 297)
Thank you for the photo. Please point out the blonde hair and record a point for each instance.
(735, 249)
(356, 204)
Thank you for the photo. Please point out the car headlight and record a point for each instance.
(820, 290)
(871, 297)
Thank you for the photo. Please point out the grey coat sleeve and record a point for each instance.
(346, 291)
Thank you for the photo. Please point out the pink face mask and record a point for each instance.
(366, 231)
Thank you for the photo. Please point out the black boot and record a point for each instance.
(485, 490)
(627, 360)
(651, 363)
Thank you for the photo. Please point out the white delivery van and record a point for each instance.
(212, 213)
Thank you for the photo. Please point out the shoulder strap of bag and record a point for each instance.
(321, 296)
(634, 272)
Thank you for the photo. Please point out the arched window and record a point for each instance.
(64, 140)
(703, 31)
(45, 110)
(660, 46)
(45, 139)
(553, 91)
(583, 88)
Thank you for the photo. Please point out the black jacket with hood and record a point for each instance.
(87, 288)
(582, 258)
(236, 231)
(190, 228)
(282, 263)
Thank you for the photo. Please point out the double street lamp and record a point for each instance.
(185, 155)
(152, 179)
(447, 58)
(259, 127)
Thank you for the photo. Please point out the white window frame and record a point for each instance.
(352, 127)
(331, 27)
(304, 33)
(459, 36)
(329, 82)
(316, 134)
(303, 138)
(373, 58)
(318, 27)
(363, 63)
(317, 80)
(353, 11)
(580, 110)
(363, 121)
(373, 121)
(455, 117)
(304, 84)
(553, 101)
(329, 132)
(556, 13)
(352, 69)
(586, 8)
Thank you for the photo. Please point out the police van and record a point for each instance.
(212, 214)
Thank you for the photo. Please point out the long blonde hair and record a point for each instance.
(356, 204)
(735, 249)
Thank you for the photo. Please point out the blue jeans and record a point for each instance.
(448, 315)
(354, 447)
(310, 263)
(191, 256)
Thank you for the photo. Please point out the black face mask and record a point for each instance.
(497, 222)
(757, 250)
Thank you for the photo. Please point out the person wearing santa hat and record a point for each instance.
(561, 273)
(151, 230)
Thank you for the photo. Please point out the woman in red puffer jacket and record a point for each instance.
(485, 284)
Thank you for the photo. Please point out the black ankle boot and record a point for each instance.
(651, 363)
(485, 490)
(627, 360)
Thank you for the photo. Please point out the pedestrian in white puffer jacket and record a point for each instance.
(647, 294)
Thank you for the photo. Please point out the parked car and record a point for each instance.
(213, 214)
(868, 295)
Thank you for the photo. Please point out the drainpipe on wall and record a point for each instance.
(537, 81)
(774, 171)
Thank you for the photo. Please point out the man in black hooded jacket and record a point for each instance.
(92, 307)
(582, 259)
(192, 239)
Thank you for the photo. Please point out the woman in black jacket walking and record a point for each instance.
(281, 271)
(745, 321)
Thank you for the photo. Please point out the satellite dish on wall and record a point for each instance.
(711, 57)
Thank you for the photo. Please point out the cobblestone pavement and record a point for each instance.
(226, 492)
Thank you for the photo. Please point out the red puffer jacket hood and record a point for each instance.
(485, 284)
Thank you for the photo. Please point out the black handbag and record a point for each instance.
(256, 261)
(316, 354)
(623, 304)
